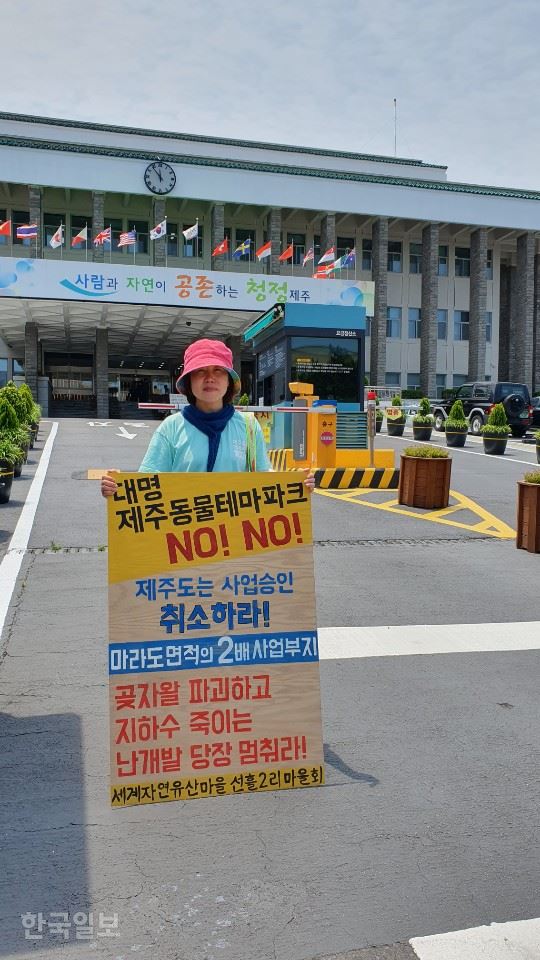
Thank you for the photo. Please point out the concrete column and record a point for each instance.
(477, 305)
(218, 235)
(536, 338)
(274, 234)
(158, 246)
(428, 325)
(505, 313)
(31, 355)
(35, 216)
(328, 232)
(377, 366)
(102, 372)
(98, 223)
(521, 354)
(235, 344)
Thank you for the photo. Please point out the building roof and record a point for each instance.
(223, 141)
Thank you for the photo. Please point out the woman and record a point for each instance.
(208, 434)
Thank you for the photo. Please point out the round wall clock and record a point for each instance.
(159, 177)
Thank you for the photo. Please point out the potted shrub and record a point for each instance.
(456, 426)
(424, 477)
(8, 456)
(537, 438)
(21, 438)
(243, 401)
(395, 425)
(528, 513)
(422, 424)
(495, 431)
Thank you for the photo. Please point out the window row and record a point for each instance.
(414, 321)
(393, 379)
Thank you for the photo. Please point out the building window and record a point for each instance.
(367, 254)
(461, 324)
(141, 231)
(394, 256)
(463, 262)
(459, 379)
(344, 245)
(241, 237)
(440, 380)
(489, 265)
(3, 371)
(193, 247)
(19, 219)
(51, 222)
(299, 246)
(172, 239)
(393, 322)
(414, 323)
(368, 326)
(18, 367)
(415, 258)
(117, 227)
(442, 268)
(489, 326)
(442, 324)
(76, 225)
(413, 381)
(317, 247)
(392, 379)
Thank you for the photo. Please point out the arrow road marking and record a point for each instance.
(99, 423)
(130, 423)
(124, 433)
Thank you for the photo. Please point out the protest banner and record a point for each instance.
(213, 656)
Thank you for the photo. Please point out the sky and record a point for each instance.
(465, 74)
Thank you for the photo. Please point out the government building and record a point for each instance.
(450, 271)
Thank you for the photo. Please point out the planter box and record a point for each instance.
(456, 438)
(6, 480)
(425, 482)
(494, 445)
(528, 517)
(422, 433)
(538, 452)
(394, 429)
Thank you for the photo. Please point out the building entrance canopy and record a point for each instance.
(149, 311)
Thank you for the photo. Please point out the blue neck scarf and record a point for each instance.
(212, 425)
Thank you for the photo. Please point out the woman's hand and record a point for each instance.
(309, 480)
(109, 485)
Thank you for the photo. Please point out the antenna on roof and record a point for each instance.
(395, 127)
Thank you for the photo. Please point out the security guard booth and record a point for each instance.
(321, 345)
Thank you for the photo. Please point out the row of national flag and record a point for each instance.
(326, 265)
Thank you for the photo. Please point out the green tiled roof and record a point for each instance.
(224, 141)
(260, 167)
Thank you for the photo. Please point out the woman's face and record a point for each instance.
(209, 385)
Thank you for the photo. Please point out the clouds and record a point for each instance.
(465, 74)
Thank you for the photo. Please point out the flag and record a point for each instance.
(28, 231)
(103, 236)
(264, 251)
(159, 230)
(191, 231)
(287, 254)
(338, 264)
(127, 238)
(349, 259)
(57, 239)
(310, 255)
(221, 248)
(322, 272)
(82, 237)
(242, 249)
(5, 228)
(329, 255)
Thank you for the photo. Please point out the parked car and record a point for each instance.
(535, 404)
(478, 400)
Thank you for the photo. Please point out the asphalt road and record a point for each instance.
(429, 820)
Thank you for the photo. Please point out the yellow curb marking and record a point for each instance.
(487, 524)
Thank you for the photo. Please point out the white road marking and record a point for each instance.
(124, 433)
(341, 643)
(129, 423)
(98, 423)
(517, 940)
(474, 453)
(11, 563)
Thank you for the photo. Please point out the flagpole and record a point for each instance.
(292, 256)
(110, 243)
(166, 242)
(197, 242)
(62, 239)
(86, 243)
(134, 246)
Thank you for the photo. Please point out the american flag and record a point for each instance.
(102, 237)
(127, 238)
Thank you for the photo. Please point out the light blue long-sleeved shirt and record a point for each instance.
(177, 447)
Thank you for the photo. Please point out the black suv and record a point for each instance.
(478, 399)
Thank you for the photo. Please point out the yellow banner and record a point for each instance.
(213, 655)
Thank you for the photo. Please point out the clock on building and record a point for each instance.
(159, 177)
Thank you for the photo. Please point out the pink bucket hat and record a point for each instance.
(207, 353)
